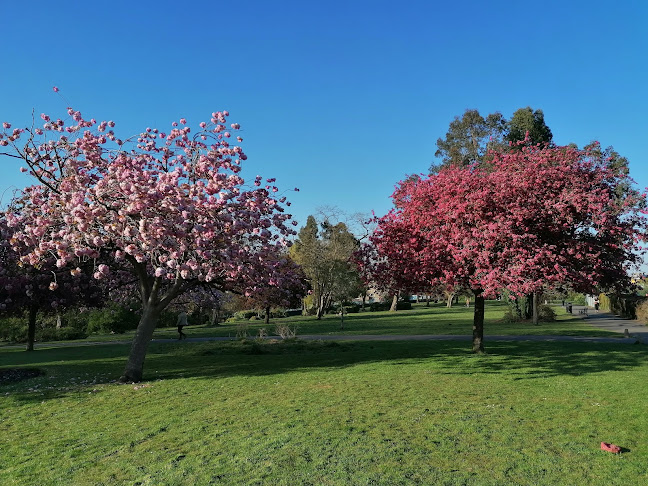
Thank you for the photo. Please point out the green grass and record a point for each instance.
(436, 319)
(326, 413)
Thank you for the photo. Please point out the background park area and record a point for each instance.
(296, 411)
(323, 243)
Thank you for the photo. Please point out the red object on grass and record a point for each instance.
(605, 446)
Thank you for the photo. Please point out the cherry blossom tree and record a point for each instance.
(283, 284)
(528, 218)
(44, 289)
(170, 207)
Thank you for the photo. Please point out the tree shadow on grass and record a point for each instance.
(214, 360)
(76, 369)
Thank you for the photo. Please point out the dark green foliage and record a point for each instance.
(526, 121)
(112, 319)
(642, 311)
(625, 305)
(13, 329)
(379, 306)
(62, 334)
(469, 139)
(351, 309)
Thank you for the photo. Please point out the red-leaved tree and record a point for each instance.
(529, 218)
(170, 208)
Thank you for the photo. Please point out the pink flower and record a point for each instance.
(53, 286)
(183, 121)
(6, 125)
(55, 89)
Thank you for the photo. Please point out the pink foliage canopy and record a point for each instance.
(533, 217)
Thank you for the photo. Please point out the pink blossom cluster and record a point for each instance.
(531, 218)
(172, 205)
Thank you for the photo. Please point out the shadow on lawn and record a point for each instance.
(213, 360)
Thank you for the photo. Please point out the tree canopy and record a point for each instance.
(169, 207)
(527, 218)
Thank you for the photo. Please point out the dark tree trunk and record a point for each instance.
(394, 304)
(135, 366)
(341, 316)
(535, 308)
(267, 315)
(31, 327)
(528, 308)
(427, 301)
(478, 323)
(364, 300)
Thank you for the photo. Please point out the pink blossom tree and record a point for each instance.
(529, 218)
(42, 289)
(284, 285)
(170, 207)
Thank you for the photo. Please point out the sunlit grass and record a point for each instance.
(327, 413)
(421, 320)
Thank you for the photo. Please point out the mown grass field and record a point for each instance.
(327, 413)
(436, 319)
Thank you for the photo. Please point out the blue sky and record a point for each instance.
(340, 99)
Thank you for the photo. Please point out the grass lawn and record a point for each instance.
(327, 413)
(436, 319)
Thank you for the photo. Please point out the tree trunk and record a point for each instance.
(427, 300)
(478, 323)
(535, 308)
(267, 315)
(394, 304)
(214, 318)
(450, 298)
(341, 316)
(528, 307)
(59, 324)
(31, 327)
(135, 365)
(364, 300)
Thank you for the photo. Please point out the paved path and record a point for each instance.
(610, 322)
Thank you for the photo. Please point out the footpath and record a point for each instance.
(610, 322)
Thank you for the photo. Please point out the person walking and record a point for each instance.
(597, 304)
(182, 322)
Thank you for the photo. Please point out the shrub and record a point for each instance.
(546, 313)
(511, 317)
(379, 306)
(112, 319)
(62, 334)
(351, 309)
(244, 315)
(403, 305)
(642, 311)
(13, 329)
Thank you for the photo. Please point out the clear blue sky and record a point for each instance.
(339, 98)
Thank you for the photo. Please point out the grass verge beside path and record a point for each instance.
(327, 413)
